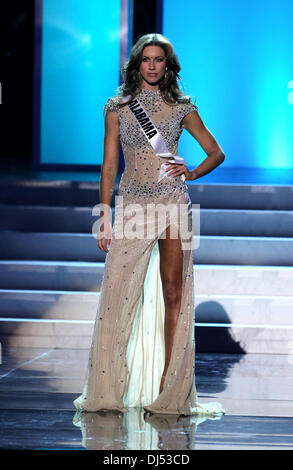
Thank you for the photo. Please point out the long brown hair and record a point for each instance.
(168, 85)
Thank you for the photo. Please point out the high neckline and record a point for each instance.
(144, 90)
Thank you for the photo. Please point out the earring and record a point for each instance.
(165, 75)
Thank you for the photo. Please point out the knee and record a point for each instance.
(172, 293)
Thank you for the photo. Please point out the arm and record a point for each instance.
(193, 123)
(110, 160)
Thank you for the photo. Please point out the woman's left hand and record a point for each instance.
(177, 170)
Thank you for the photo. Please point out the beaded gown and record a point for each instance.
(127, 354)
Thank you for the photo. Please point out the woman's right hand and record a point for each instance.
(105, 235)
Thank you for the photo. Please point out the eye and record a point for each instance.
(158, 59)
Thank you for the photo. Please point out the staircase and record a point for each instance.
(51, 268)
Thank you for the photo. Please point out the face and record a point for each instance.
(153, 64)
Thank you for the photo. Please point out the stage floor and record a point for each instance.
(37, 388)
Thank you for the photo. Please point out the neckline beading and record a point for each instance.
(149, 91)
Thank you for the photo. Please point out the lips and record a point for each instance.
(152, 74)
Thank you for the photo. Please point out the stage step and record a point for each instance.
(265, 251)
(209, 279)
(220, 222)
(86, 194)
(210, 308)
(227, 322)
(220, 338)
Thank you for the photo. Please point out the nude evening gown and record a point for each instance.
(127, 356)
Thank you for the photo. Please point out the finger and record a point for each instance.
(171, 170)
(181, 170)
(102, 243)
(105, 245)
(178, 173)
(108, 243)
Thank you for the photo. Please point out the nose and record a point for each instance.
(151, 65)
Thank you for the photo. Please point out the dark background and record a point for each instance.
(17, 35)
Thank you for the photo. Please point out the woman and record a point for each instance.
(142, 352)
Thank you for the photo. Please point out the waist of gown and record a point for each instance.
(151, 190)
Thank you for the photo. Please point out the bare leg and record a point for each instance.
(171, 265)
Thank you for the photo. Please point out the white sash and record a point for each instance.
(154, 137)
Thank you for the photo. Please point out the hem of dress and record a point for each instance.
(208, 409)
(78, 406)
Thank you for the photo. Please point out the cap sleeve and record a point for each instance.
(110, 105)
(187, 108)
